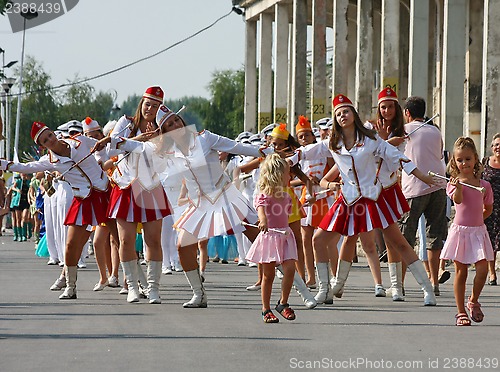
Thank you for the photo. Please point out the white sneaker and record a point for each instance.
(113, 281)
(144, 262)
(279, 274)
(178, 267)
(166, 271)
(99, 287)
(82, 265)
(253, 287)
(379, 291)
(242, 262)
(124, 291)
(252, 264)
(52, 261)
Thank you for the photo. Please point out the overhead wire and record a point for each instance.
(123, 66)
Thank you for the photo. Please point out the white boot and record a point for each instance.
(199, 296)
(143, 281)
(343, 269)
(418, 270)
(70, 290)
(333, 280)
(325, 294)
(302, 290)
(154, 274)
(130, 271)
(396, 274)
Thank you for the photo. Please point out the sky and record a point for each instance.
(97, 36)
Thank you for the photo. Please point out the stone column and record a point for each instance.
(364, 71)
(419, 46)
(318, 81)
(474, 71)
(340, 68)
(250, 123)
(490, 109)
(452, 106)
(281, 63)
(265, 70)
(389, 61)
(299, 61)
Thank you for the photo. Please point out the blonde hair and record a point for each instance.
(272, 170)
(460, 144)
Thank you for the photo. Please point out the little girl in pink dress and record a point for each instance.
(468, 240)
(275, 245)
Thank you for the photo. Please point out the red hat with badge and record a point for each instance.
(36, 129)
(155, 93)
(341, 101)
(387, 94)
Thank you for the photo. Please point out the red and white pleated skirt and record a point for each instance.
(136, 204)
(88, 211)
(396, 200)
(362, 216)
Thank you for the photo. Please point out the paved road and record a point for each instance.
(102, 332)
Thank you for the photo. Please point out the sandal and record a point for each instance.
(286, 311)
(269, 317)
(476, 314)
(445, 275)
(462, 320)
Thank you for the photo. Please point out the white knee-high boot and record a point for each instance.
(131, 275)
(343, 269)
(70, 290)
(154, 274)
(418, 270)
(396, 274)
(302, 289)
(325, 294)
(199, 296)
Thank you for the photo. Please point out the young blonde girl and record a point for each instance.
(275, 244)
(468, 241)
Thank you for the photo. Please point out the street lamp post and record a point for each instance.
(7, 85)
(26, 15)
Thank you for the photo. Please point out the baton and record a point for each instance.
(421, 125)
(270, 229)
(478, 188)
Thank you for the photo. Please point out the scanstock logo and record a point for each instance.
(36, 12)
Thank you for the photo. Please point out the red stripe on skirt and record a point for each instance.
(340, 215)
(152, 203)
(394, 197)
(94, 204)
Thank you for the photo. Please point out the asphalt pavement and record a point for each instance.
(100, 331)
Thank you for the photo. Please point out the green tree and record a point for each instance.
(192, 114)
(224, 112)
(40, 105)
(80, 101)
(3, 4)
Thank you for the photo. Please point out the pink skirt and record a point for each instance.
(136, 204)
(362, 216)
(273, 247)
(88, 211)
(396, 200)
(467, 244)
